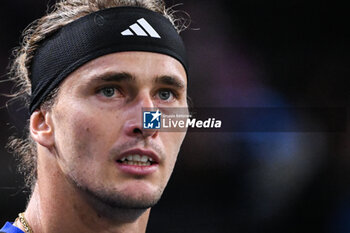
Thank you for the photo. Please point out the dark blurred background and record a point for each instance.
(242, 54)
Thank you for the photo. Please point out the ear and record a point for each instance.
(41, 128)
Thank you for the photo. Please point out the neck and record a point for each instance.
(57, 205)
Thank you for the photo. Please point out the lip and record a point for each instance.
(139, 151)
(135, 169)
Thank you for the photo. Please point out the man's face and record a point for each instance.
(97, 122)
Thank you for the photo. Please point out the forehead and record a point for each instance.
(142, 65)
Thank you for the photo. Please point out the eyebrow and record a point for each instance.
(171, 81)
(127, 77)
(117, 77)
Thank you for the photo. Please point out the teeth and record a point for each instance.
(137, 160)
(137, 163)
(136, 157)
(144, 158)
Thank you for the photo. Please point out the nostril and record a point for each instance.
(137, 131)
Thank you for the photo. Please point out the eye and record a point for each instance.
(166, 95)
(108, 91)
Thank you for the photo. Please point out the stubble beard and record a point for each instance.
(117, 200)
(109, 201)
(113, 203)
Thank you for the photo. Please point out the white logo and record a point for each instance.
(140, 28)
(151, 119)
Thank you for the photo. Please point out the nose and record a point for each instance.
(133, 126)
(135, 129)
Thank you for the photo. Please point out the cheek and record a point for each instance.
(172, 142)
(175, 139)
(72, 135)
(82, 135)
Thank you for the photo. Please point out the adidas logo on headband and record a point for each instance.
(140, 28)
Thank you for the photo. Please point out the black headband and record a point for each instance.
(107, 31)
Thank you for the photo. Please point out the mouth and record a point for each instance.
(138, 162)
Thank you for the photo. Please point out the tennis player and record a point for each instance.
(87, 69)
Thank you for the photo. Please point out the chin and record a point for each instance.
(136, 194)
